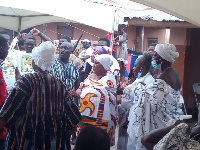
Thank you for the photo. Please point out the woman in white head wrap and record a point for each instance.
(98, 97)
(164, 56)
(158, 103)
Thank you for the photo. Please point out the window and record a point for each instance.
(151, 40)
(65, 30)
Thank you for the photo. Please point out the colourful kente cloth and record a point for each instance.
(98, 104)
(38, 113)
(78, 63)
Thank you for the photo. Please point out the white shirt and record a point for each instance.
(89, 51)
(9, 65)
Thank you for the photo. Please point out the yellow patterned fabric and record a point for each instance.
(98, 104)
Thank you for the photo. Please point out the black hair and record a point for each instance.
(4, 32)
(67, 38)
(145, 60)
(92, 137)
(106, 40)
(3, 46)
(21, 42)
(3, 41)
(120, 26)
(153, 44)
(32, 38)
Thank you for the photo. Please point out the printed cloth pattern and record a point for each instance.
(156, 105)
(98, 104)
(177, 139)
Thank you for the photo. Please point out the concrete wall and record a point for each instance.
(134, 36)
(51, 31)
(178, 38)
(150, 32)
(131, 31)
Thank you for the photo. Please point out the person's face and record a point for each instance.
(102, 43)
(4, 51)
(61, 41)
(7, 37)
(137, 68)
(98, 68)
(151, 50)
(86, 45)
(157, 58)
(22, 47)
(120, 31)
(65, 50)
(29, 45)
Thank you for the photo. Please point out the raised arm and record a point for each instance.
(37, 32)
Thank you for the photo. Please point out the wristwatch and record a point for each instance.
(39, 34)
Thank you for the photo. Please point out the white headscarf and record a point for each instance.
(44, 55)
(105, 60)
(167, 52)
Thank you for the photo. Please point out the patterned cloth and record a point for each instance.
(68, 74)
(129, 96)
(123, 53)
(177, 139)
(128, 99)
(38, 113)
(98, 104)
(156, 105)
(78, 63)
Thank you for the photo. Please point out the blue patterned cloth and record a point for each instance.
(68, 74)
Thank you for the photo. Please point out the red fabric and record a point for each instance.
(3, 133)
(108, 35)
(128, 66)
(2, 89)
(2, 99)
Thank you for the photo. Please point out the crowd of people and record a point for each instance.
(48, 101)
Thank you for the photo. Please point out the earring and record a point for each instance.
(160, 61)
(141, 70)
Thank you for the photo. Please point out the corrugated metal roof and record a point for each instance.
(153, 14)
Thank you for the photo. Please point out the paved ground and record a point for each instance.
(116, 139)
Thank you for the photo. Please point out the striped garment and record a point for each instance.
(38, 113)
(68, 74)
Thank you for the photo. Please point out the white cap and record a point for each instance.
(44, 55)
(86, 40)
(106, 60)
(167, 52)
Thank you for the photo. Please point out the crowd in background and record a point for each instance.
(51, 101)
